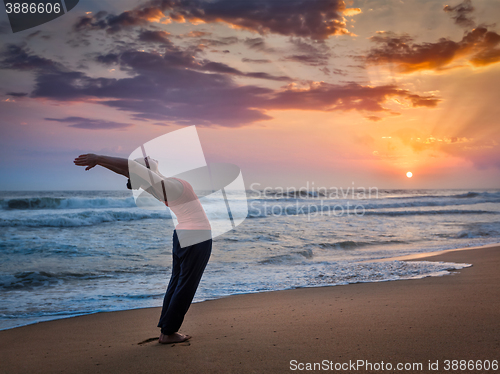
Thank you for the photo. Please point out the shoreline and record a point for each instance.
(418, 256)
(429, 320)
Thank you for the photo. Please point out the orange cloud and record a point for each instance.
(351, 96)
(478, 47)
(351, 12)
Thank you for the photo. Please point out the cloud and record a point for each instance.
(311, 48)
(223, 41)
(313, 60)
(417, 100)
(460, 13)
(149, 36)
(256, 61)
(351, 96)
(17, 57)
(479, 47)
(175, 57)
(327, 71)
(17, 94)
(189, 91)
(197, 34)
(258, 44)
(108, 59)
(315, 19)
(140, 16)
(91, 124)
(94, 22)
(316, 54)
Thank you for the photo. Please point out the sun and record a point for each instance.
(409, 174)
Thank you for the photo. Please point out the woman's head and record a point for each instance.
(153, 164)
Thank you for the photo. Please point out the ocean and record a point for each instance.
(68, 253)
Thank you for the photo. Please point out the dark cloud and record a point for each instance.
(161, 90)
(461, 13)
(219, 67)
(315, 19)
(228, 40)
(262, 75)
(140, 16)
(351, 96)
(91, 124)
(17, 57)
(313, 60)
(149, 36)
(479, 47)
(189, 91)
(316, 54)
(356, 66)
(258, 44)
(256, 61)
(94, 22)
(108, 59)
(175, 57)
(310, 48)
(17, 94)
(197, 34)
(327, 71)
(338, 71)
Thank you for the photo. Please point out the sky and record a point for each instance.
(294, 92)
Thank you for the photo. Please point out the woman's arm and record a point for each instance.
(115, 164)
(143, 177)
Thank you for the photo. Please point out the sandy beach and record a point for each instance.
(425, 321)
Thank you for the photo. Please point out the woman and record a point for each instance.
(192, 241)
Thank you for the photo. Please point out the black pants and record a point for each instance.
(187, 269)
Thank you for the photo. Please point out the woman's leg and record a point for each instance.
(193, 261)
(172, 285)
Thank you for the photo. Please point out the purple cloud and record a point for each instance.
(91, 124)
(177, 88)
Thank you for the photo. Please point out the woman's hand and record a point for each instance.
(89, 160)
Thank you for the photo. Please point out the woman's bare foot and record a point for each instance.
(173, 338)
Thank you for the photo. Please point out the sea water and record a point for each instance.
(68, 253)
